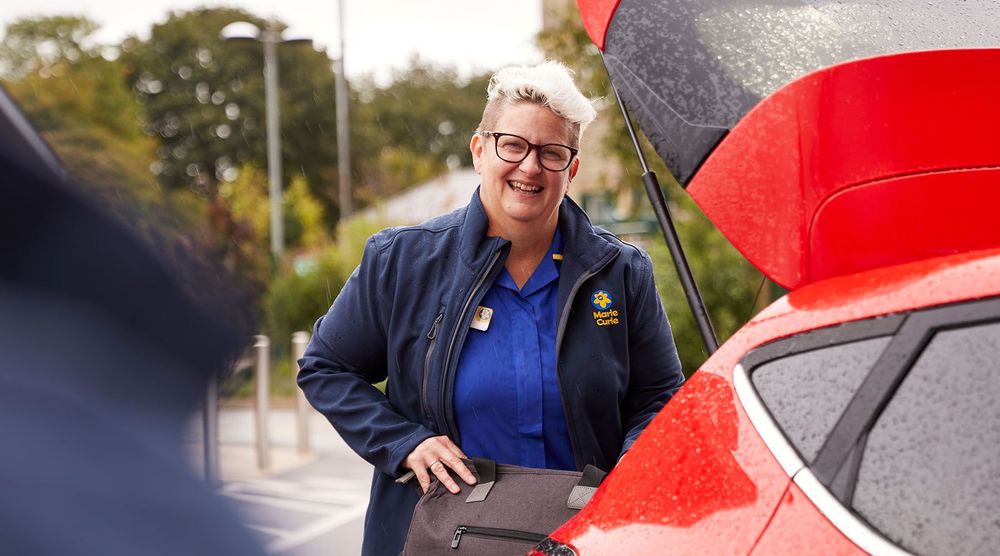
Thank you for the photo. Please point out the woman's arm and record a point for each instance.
(347, 354)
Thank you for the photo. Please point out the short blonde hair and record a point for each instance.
(549, 84)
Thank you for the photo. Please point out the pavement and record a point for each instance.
(303, 504)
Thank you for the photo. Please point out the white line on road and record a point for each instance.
(316, 529)
(335, 502)
(322, 495)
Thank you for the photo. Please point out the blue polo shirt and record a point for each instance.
(507, 401)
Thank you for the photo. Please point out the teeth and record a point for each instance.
(524, 187)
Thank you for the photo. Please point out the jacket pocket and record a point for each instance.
(432, 335)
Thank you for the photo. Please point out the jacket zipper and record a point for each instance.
(432, 340)
(560, 331)
(508, 534)
(473, 294)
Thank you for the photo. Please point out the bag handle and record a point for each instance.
(578, 497)
(585, 487)
(487, 471)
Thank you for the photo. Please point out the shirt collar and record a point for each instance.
(545, 274)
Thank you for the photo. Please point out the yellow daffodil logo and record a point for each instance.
(601, 300)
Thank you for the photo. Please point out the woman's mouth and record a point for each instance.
(523, 187)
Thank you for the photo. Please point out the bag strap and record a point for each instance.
(585, 487)
(487, 471)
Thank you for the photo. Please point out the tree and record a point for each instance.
(204, 101)
(415, 128)
(45, 45)
(80, 104)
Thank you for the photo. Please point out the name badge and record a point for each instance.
(481, 321)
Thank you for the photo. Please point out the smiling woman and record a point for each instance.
(481, 322)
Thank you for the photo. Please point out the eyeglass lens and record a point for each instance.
(553, 157)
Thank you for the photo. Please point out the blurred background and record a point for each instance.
(268, 140)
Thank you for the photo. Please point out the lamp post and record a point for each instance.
(343, 133)
(270, 37)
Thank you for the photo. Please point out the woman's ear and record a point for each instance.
(574, 167)
(476, 146)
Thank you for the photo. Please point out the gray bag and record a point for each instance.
(508, 511)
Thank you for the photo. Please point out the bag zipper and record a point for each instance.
(508, 534)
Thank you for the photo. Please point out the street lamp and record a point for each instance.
(269, 37)
(343, 126)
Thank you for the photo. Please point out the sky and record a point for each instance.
(380, 35)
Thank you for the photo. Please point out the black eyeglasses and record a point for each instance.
(513, 148)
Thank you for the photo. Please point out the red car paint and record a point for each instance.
(795, 515)
(867, 188)
(596, 16)
(900, 148)
(700, 480)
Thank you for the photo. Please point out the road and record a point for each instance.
(305, 505)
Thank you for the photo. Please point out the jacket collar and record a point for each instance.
(475, 244)
(583, 247)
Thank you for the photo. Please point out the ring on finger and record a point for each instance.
(435, 462)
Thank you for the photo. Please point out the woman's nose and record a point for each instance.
(531, 163)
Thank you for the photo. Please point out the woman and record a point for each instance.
(511, 329)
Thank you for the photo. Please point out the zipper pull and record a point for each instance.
(458, 536)
(434, 328)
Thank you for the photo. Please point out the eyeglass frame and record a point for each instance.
(531, 146)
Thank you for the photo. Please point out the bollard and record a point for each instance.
(211, 430)
(262, 372)
(299, 341)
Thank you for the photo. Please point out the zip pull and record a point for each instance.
(458, 536)
(433, 332)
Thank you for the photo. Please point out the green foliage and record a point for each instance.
(414, 128)
(204, 100)
(726, 280)
(45, 44)
(303, 292)
(304, 216)
(80, 104)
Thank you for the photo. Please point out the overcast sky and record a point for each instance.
(472, 35)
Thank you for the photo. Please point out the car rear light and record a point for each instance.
(551, 547)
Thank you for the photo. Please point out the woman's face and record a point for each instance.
(515, 194)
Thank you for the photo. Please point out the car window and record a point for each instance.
(930, 475)
(807, 392)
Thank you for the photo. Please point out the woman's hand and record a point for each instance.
(436, 455)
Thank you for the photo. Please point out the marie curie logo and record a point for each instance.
(601, 300)
(604, 315)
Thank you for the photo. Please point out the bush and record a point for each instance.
(726, 280)
(304, 291)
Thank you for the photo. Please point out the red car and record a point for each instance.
(848, 150)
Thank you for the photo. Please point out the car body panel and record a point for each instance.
(847, 150)
(897, 151)
(796, 514)
(700, 479)
(652, 502)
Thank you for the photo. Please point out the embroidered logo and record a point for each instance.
(604, 315)
(601, 300)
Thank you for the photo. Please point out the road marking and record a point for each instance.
(334, 502)
(316, 529)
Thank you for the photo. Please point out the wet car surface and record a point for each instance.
(856, 414)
